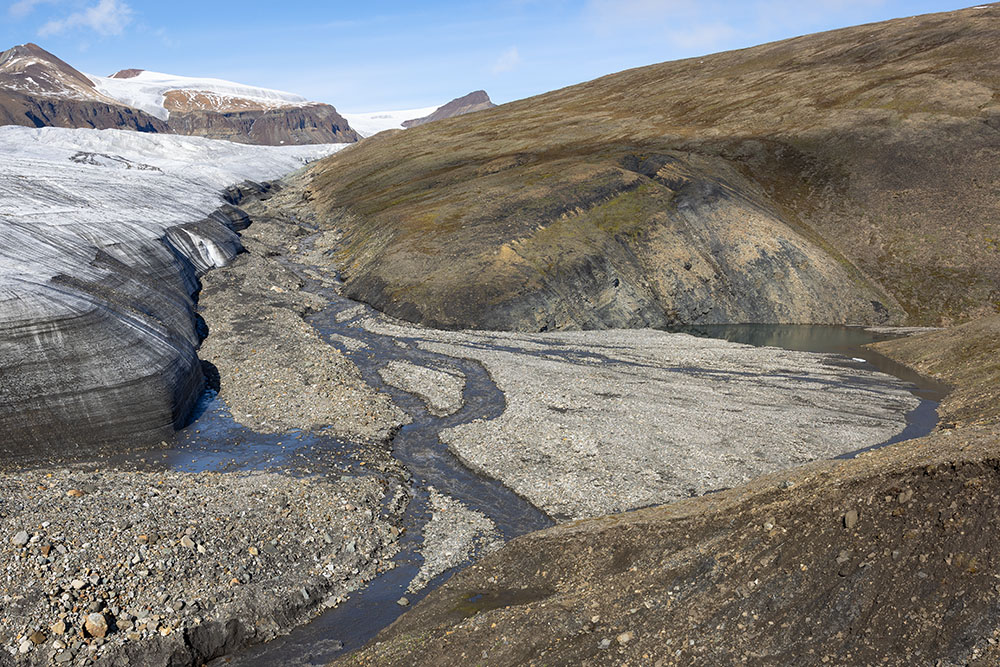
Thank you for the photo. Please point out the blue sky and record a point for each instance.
(374, 55)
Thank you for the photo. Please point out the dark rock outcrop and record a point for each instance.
(477, 100)
(310, 124)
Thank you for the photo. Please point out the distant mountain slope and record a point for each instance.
(38, 89)
(475, 101)
(848, 176)
(161, 95)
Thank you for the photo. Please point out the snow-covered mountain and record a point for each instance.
(367, 123)
(37, 89)
(102, 237)
(160, 94)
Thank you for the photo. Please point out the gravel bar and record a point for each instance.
(599, 422)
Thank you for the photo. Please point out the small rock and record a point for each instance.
(605, 643)
(75, 493)
(187, 542)
(625, 638)
(850, 519)
(37, 637)
(25, 646)
(403, 602)
(58, 628)
(253, 551)
(96, 625)
(20, 539)
(77, 584)
(64, 656)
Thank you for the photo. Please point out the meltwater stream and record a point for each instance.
(216, 442)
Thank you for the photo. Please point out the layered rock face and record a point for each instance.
(843, 177)
(309, 124)
(477, 100)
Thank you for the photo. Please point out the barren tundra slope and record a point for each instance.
(848, 176)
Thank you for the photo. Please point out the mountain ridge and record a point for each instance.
(38, 89)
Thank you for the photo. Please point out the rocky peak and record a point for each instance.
(127, 73)
(474, 101)
(29, 68)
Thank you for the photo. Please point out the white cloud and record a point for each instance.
(107, 17)
(704, 38)
(22, 8)
(507, 61)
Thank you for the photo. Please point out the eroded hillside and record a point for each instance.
(849, 176)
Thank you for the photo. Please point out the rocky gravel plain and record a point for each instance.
(278, 373)
(605, 421)
(153, 568)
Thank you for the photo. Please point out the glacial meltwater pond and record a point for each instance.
(850, 343)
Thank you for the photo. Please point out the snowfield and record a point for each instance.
(368, 123)
(147, 90)
(95, 188)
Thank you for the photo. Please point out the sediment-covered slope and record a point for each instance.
(847, 176)
(102, 237)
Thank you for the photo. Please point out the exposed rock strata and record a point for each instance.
(841, 177)
(37, 89)
(310, 124)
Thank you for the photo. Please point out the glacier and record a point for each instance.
(103, 235)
